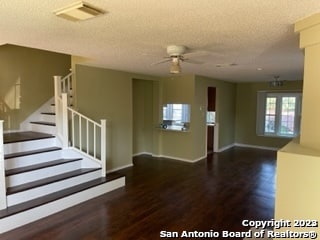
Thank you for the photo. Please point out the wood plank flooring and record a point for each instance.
(166, 195)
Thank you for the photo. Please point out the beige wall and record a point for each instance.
(297, 187)
(178, 144)
(143, 116)
(246, 113)
(298, 163)
(137, 113)
(31, 71)
(310, 128)
(107, 94)
(225, 110)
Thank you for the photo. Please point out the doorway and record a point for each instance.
(211, 112)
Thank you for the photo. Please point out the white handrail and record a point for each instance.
(86, 130)
(83, 129)
(3, 197)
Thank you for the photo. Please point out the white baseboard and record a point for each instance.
(256, 146)
(165, 156)
(141, 153)
(180, 159)
(203, 157)
(199, 159)
(119, 168)
(247, 146)
(226, 147)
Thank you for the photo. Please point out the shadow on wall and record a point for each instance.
(10, 103)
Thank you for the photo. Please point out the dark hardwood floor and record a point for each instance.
(166, 195)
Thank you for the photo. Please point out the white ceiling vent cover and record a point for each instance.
(78, 11)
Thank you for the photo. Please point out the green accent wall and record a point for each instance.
(132, 105)
(143, 115)
(26, 81)
(225, 110)
(246, 113)
(178, 144)
(108, 94)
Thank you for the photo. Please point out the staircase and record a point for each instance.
(43, 175)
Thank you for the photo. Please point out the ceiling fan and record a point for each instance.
(177, 54)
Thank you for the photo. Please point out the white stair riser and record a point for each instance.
(48, 118)
(86, 163)
(43, 128)
(34, 214)
(29, 145)
(28, 160)
(33, 193)
(31, 176)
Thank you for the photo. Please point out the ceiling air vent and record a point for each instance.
(78, 11)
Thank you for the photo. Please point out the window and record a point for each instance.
(211, 117)
(176, 115)
(176, 112)
(278, 114)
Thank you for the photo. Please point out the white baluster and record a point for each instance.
(94, 141)
(87, 137)
(57, 93)
(103, 147)
(73, 129)
(65, 124)
(3, 197)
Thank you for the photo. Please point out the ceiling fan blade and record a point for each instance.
(196, 54)
(192, 61)
(161, 61)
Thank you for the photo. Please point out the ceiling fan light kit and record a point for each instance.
(176, 55)
(276, 82)
(175, 66)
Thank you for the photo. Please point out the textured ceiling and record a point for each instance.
(133, 34)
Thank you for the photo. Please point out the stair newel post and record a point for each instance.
(57, 92)
(3, 197)
(103, 147)
(65, 124)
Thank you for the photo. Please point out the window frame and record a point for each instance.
(168, 113)
(261, 113)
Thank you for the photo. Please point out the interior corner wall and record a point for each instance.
(108, 94)
(26, 80)
(143, 116)
(246, 113)
(225, 110)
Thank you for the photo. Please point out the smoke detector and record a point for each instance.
(78, 11)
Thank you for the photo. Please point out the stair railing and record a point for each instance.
(3, 197)
(79, 132)
(85, 133)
